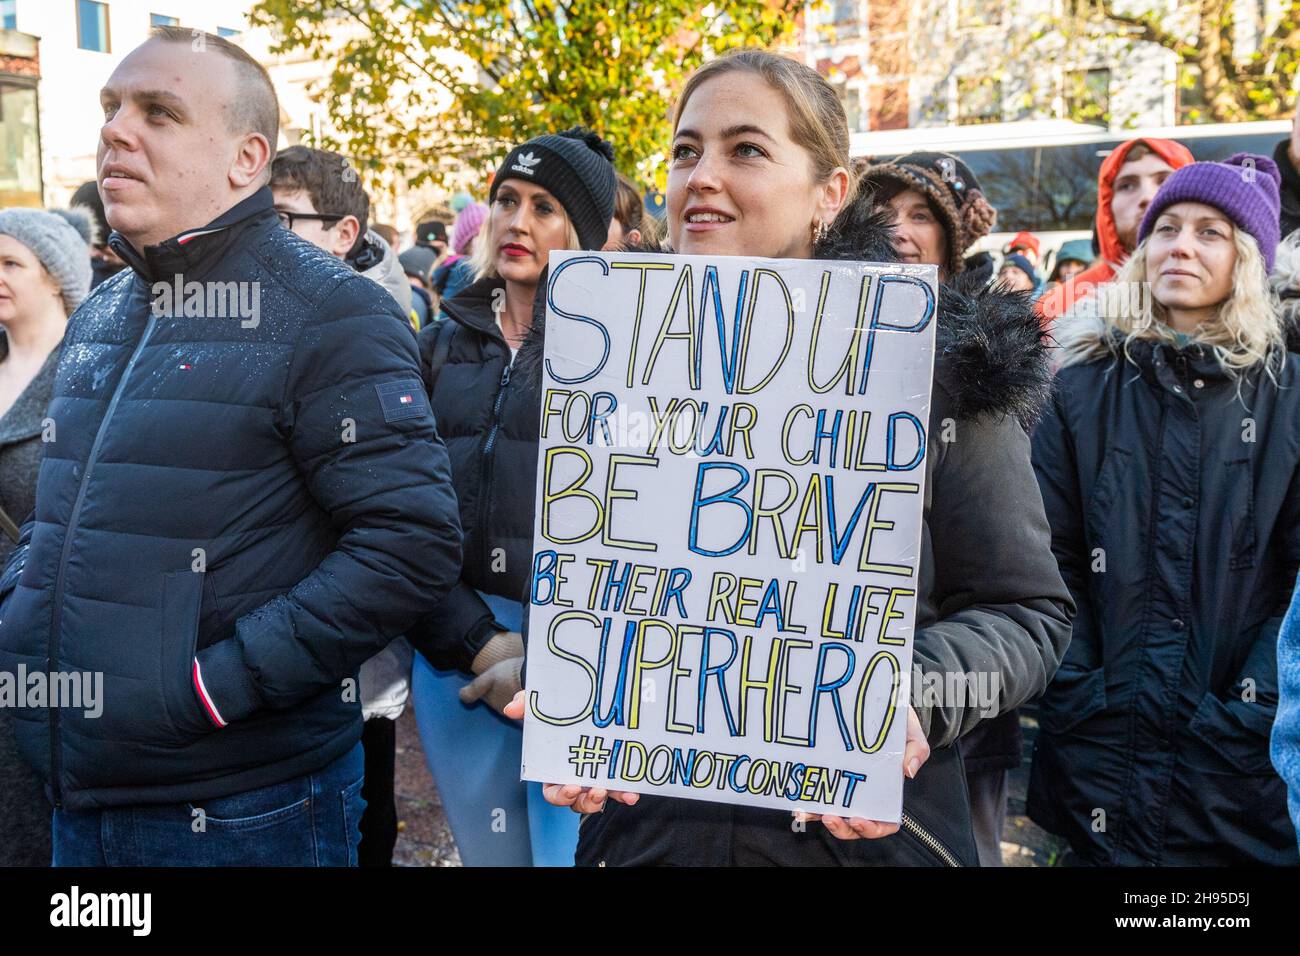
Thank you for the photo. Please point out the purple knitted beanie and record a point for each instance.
(1244, 188)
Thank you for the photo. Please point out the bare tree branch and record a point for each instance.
(1149, 29)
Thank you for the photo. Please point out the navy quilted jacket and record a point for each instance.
(235, 514)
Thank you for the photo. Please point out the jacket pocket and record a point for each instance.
(1239, 512)
(1072, 698)
(1104, 491)
(182, 601)
(1239, 736)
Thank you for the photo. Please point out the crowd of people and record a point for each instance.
(269, 536)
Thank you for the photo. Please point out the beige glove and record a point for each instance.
(498, 666)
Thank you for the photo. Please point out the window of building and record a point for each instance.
(1087, 96)
(20, 146)
(8, 14)
(888, 102)
(92, 26)
(227, 32)
(979, 100)
(844, 11)
(840, 20)
(851, 100)
(161, 20)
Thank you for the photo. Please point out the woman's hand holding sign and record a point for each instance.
(577, 798)
(915, 753)
(592, 799)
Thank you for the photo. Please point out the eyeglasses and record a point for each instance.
(287, 218)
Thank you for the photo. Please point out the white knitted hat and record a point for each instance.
(60, 241)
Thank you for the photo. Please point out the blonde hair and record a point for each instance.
(484, 258)
(1285, 279)
(817, 120)
(1245, 333)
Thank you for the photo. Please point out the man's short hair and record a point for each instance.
(387, 233)
(256, 108)
(328, 180)
(1137, 151)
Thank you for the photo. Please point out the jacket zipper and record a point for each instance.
(929, 840)
(486, 473)
(56, 765)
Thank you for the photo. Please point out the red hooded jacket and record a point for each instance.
(1060, 299)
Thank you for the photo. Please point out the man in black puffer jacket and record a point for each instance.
(239, 509)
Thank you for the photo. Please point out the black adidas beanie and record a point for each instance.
(577, 168)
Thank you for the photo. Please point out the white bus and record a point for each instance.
(1041, 175)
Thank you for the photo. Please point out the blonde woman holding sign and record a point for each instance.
(553, 192)
(759, 167)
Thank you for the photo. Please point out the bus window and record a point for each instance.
(1042, 189)
(1218, 148)
(1053, 188)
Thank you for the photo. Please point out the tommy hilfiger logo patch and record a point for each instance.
(525, 163)
(400, 400)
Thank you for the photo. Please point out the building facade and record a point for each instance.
(49, 103)
(81, 42)
(1032, 109)
(966, 62)
(20, 128)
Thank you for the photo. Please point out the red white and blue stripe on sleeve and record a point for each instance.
(209, 705)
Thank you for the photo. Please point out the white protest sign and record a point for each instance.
(730, 490)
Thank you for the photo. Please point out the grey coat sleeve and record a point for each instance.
(1002, 609)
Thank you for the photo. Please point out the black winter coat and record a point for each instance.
(1175, 514)
(489, 413)
(991, 599)
(234, 516)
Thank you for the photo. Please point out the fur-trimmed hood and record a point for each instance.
(990, 351)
